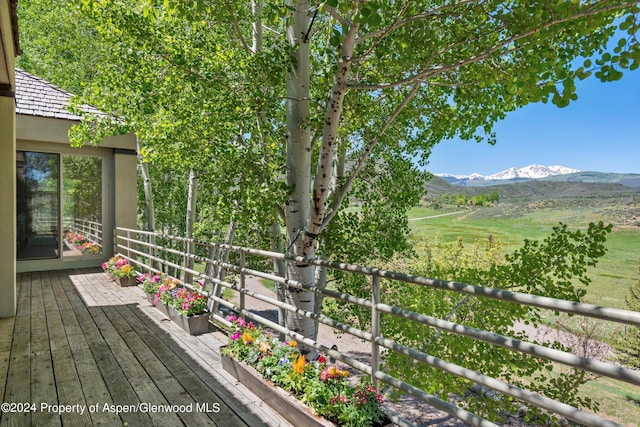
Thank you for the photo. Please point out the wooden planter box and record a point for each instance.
(193, 325)
(162, 308)
(126, 281)
(282, 402)
(150, 298)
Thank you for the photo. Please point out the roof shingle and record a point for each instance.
(36, 97)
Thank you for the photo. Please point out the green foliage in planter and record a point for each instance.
(151, 283)
(173, 294)
(319, 385)
(190, 303)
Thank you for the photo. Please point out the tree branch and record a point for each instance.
(430, 72)
(344, 189)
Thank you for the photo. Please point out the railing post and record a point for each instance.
(242, 282)
(128, 243)
(375, 329)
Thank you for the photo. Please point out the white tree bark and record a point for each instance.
(256, 10)
(298, 166)
(148, 198)
(192, 199)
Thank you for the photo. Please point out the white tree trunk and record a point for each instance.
(299, 170)
(191, 219)
(220, 272)
(256, 10)
(148, 198)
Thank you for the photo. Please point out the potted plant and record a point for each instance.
(321, 386)
(166, 295)
(189, 310)
(89, 248)
(124, 273)
(151, 285)
(113, 263)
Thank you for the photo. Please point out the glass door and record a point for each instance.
(82, 205)
(59, 205)
(38, 210)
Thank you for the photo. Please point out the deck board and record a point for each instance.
(79, 339)
(43, 384)
(17, 388)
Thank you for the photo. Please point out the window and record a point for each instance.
(59, 205)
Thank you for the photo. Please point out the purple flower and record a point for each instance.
(235, 336)
(283, 361)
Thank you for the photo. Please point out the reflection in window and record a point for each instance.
(82, 202)
(37, 190)
(38, 194)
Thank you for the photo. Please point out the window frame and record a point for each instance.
(107, 200)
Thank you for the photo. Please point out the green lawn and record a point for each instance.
(611, 278)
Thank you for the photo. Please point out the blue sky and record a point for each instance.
(598, 132)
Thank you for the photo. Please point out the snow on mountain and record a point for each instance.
(532, 172)
(527, 172)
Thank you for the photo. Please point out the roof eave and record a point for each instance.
(13, 5)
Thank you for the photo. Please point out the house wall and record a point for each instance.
(125, 189)
(7, 165)
(119, 180)
(7, 207)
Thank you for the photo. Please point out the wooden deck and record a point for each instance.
(83, 351)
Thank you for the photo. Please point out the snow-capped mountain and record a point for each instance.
(513, 174)
(532, 172)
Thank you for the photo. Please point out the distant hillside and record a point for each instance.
(541, 173)
(628, 179)
(546, 189)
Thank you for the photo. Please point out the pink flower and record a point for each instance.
(235, 336)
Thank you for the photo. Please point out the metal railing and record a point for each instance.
(147, 249)
(90, 230)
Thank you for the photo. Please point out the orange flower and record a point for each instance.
(298, 365)
(246, 338)
(292, 343)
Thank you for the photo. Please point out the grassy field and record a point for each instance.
(611, 278)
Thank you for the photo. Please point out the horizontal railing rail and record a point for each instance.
(143, 249)
(90, 230)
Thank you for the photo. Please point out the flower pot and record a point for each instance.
(193, 325)
(151, 298)
(282, 402)
(126, 281)
(162, 308)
